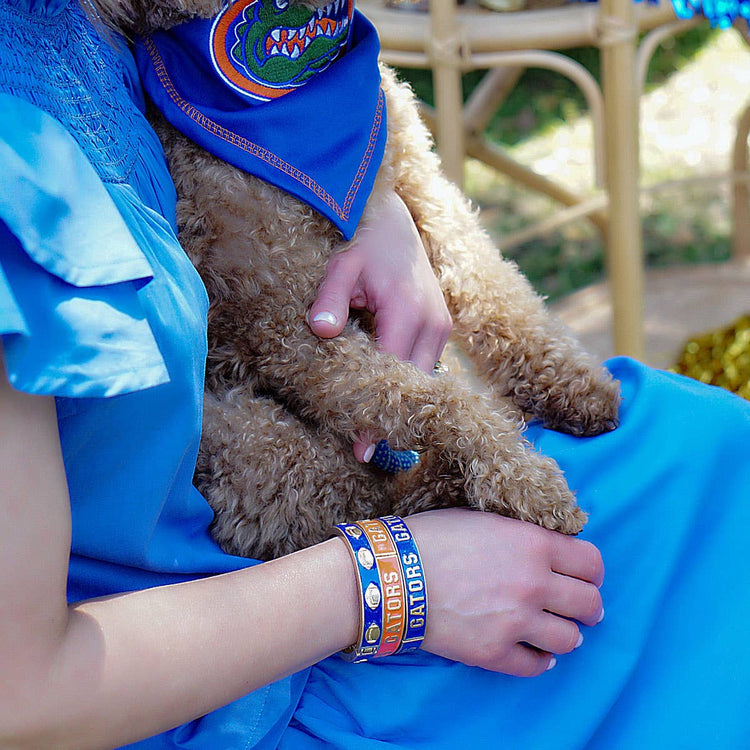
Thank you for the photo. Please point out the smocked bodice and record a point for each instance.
(51, 56)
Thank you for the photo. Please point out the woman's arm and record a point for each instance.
(105, 672)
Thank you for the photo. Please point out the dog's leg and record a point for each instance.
(498, 319)
(274, 482)
(347, 387)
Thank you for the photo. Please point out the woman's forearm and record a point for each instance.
(105, 672)
(133, 665)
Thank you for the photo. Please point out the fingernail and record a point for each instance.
(368, 454)
(601, 616)
(580, 640)
(325, 317)
(551, 665)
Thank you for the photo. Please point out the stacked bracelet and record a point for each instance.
(391, 586)
(370, 593)
(415, 588)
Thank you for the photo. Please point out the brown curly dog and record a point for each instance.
(283, 407)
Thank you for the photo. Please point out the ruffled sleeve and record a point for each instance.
(70, 270)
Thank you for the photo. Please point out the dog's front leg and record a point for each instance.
(498, 318)
(518, 346)
(350, 388)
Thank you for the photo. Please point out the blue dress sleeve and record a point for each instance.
(70, 270)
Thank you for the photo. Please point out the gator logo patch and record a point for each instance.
(267, 48)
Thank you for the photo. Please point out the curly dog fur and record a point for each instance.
(283, 407)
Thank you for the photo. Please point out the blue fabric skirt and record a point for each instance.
(669, 503)
(669, 500)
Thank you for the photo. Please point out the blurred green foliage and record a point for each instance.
(673, 230)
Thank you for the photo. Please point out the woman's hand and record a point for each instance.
(386, 272)
(503, 594)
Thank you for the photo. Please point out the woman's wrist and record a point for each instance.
(342, 595)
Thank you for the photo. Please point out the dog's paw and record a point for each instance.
(586, 406)
(567, 518)
(544, 497)
(528, 486)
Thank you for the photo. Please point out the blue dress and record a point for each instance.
(100, 308)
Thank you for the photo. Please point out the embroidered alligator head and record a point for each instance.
(273, 46)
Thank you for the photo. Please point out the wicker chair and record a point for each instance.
(451, 40)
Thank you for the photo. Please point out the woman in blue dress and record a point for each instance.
(123, 624)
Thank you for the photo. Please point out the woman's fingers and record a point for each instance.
(553, 634)
(428, 345)
(570, 597)
(330, 310)
(396, 329)
(577, 558)
(413, 336)
(364, 447)
(524, 661)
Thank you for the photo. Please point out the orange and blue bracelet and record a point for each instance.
(391, 585)
(414, 583)
(392, 582)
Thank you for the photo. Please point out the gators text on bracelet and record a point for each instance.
(391, 585)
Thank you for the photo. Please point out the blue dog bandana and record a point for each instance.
(257, 87)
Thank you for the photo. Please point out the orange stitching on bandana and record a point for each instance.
(262, 153)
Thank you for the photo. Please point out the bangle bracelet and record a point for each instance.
(370, 593)
(415, 585)
(392, 583)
